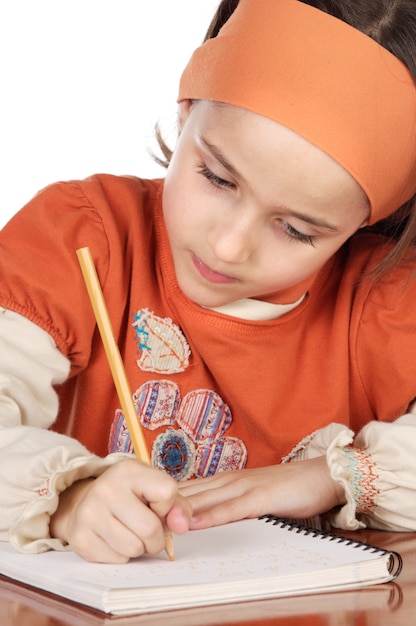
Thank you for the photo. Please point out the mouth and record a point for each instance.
(210, 274)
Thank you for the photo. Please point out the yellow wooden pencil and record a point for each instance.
(116, 365)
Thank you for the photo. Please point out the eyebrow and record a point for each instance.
(219, 156)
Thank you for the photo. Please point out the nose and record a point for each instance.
(234, 240)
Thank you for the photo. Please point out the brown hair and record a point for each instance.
(392, 23)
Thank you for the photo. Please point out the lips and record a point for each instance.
(210, 274)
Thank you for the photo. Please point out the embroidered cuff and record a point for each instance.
(362, 478)
(356, 470)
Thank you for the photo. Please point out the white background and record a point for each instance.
(82, 84)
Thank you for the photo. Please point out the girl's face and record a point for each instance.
(252, 208)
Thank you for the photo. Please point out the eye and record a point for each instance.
(294, 234)
(217, 181)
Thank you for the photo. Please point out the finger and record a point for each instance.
(125, 523)
(140, 529)
(91, 547)
(159, 491)
(199, 485)
(221, 494)
(232, 510)
(179, 517)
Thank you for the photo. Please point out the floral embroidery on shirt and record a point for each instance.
(194, 441)
(363, 478)
(162, 345)
(44, 489)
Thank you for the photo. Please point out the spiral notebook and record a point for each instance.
(248, 560)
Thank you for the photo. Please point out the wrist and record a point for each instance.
(333, 492)
(339, 492)
(67, 502)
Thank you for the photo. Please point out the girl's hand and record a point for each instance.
(295, 490)
(122, 514)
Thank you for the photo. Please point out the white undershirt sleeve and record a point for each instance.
(377, 469)
(36, 464)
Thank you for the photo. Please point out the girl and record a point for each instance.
(267, 329)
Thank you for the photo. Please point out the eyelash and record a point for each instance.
(294, 234)
(221, 183)
(217, 181)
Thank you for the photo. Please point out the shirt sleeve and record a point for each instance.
(377, 469)
(36, 464)
(375, 461)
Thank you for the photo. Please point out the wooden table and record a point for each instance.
(388, 604)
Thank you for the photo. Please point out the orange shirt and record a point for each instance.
(213, 392)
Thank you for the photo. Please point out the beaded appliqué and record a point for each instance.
(194, 441)
(162, 345)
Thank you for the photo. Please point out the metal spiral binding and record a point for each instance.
(395, 560)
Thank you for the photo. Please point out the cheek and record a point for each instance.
(293, 261)
(179, 211)
(310, 260)
(184, 201)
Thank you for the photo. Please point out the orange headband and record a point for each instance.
(324, 80)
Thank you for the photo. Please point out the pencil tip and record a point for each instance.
(169, 546)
